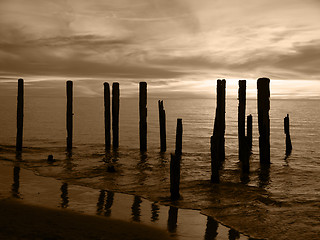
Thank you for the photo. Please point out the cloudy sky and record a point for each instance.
(175, 44)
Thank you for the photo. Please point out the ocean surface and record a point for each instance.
(280, 202)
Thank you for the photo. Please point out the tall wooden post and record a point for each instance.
(107, 124)
(179, 131)
(175, 176)
(249, 132)
(217, 139)
(263, 119)
(143, 116)
(241, 119)
(115, 114)
(288, 138)
(69, 114)
(20, 104)
(162, 123)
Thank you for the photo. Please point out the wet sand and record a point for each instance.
(21, 221)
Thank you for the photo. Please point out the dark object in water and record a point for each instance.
(175, 176)
(51, 159)
(111, 169)
(19, 116)
(143, 116)
(288, 138)
(115, 114)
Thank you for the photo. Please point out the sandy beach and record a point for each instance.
(21, 221)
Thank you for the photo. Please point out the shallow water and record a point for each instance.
(265, 204)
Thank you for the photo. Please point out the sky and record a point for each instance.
(175, 45)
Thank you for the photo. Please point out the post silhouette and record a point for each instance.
(154, 212)
(109, 202)
(115, 114)
(16, 182)
(107, 116)
(69, 114)
(211, 229)
(244, 152)
(162, 123)
(20, 105)
(175, 177)
(217, 139)
(249, 132)
(263, 119)
(143, 116)
(179, 131)
(241, 118)
(288, 138)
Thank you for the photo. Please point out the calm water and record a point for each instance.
(281, 202)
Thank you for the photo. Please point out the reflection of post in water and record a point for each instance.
(64, 195)
(233, 234)
(264, 175)
(16, 182)
(172, 219)
(109, 202)
(211, 230)
(101, 202)
(136, 211)
(154, 212)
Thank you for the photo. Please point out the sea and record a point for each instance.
(277, 202)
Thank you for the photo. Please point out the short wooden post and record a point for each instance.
(107, 128)
(69, 114)
(263, 119)
(241, 119)
(288, 138)
(20, 104)
(143, 116)
(175, 176)
(115, 114)
(162, 123)
(249, 132)
(217, 139)
(179, 131)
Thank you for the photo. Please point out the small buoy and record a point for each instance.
(50, 158)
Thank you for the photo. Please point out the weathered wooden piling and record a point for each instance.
(20, 104)
(241, 120)
(69, 114)
(179, 131)
(107, 125)
(175, 176)
(217, 139)
(115, 114)
(162, 123)
(263, 119)
(244, 150)
(143, 116)
(249, 132)
(288, 138)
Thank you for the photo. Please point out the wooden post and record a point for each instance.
(107, 124)
(143, 116)
(115, 114)
(69, 114)
(217, 139)
(241, 119)
(179, 131)
(20, 104)
(162, 123)
(263, 119)
(249, 132)
(288, 138)
(175, 176)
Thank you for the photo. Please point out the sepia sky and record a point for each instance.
(173, 43)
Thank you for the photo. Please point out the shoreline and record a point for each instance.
(21, 221)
